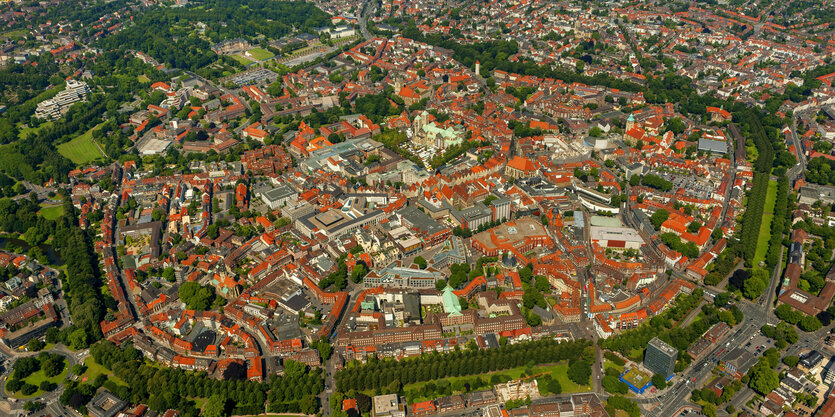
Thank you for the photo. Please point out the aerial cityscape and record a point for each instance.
(392, 208)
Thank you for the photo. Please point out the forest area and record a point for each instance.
(170, 34)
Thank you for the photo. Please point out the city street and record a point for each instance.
(50, 398)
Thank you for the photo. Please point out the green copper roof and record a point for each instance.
(450, 300)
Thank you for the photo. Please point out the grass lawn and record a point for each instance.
(51, 212)
(260, 53)
(94, 370)
(198, 402)
(609, 364)
(558, 372)
(751, 151)
(241, 59)
(27, 130)
(38, 377)
(143, 78)
(80, 150)
(765, 228)
(637, 355)
(15, 34)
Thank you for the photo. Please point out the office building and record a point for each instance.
(660, 358)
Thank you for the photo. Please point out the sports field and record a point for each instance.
(80, 150)
(51, 212)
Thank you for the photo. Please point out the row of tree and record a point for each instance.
(390, 375)
(780, 223)
(81, 279)
(173, 388)
(790, 315)
(654, 181)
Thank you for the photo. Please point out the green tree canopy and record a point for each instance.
(196, 296)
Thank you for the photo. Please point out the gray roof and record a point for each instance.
(817, 192)
(105, 404)
(420, 220)
(278, 193)
(477, 211)
(710, 145)
(296, 303)
(542, 313)
(741, 359)
(662, 346)
(811, 359)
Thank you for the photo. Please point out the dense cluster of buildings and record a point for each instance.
(305, 222)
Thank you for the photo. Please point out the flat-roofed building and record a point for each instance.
(388, 406)
(616, 238)
(279, 196)
(521, 235)
(660, 358)
(335, 222)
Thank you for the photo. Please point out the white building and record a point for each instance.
(53, 108)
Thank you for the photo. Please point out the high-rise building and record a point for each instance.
(660, 358)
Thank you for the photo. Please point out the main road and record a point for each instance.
(49, 398)
(666, 404)
(368, 8)
(757, 315)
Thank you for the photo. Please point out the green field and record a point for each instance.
(94, 370)
(33, 130)
(241, 59)
(751, 152)
(15, 34)
(143, 78)
(765, 227)
(80, 150)
(38, 377)
(198, 402)
(609, 364)
(51, 212)
(260, 53)
(558, 372)
(636, 355)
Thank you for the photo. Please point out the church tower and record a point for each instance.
(630, 122)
